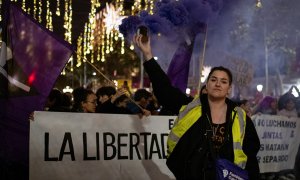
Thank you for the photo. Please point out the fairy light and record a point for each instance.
(107, 43)
(57, 12)
(92, 57)
(40, 11)
(103, 45)
(258, 4)
(23, 5)
(34, 9)
(91, 30)
(68, 20)
(151, 7)
(98, 53)
(85, 42)
(88, 39)
(63, 72)
(49, 24)
(79, 50)
(146, 5)
(111, 41)
(122, 43)
(1, 13)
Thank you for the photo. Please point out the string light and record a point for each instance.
(79, 50)
(34, 9)
(1, 13)
(40, 11)
(57, 8)
(23, 5)
(49, 24)
(100, 34)
(258, 4)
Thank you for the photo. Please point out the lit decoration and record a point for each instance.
(112, 19)
(57, 8)
(68, 20)
(85, 42)
(0, 13)
(79, 50)
(40, 11)
(23, 5)
(258, 4)
(49, 24)
(34, 9)
(67, 25)
(67, 89)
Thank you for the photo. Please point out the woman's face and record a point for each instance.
(218, 86)
(290, 105)
(90, 104)
(273, 104)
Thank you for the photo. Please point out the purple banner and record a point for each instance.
(31, 60)
(178, 70)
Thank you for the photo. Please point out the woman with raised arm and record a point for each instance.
(208, 128)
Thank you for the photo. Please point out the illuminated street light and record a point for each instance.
(259, 87)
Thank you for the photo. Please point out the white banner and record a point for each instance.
(279, 137)
(82, 146)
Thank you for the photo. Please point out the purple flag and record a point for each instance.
(178, 70)
(30, 62)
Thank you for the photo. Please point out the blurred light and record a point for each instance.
(258, 4)
(132, 47)
(31, 78)
(156, 58)
(94, 73)
(205, 72)
(67, 89)
(295, 92)
(112, 18)
(115, 82)
(188, 91)
(259, 87)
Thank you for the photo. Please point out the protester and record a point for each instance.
(289, 108)
(104, 95)
(126, 86)
(244, 104)
(115, 101)
(208, 127)
(268, 105)
(84, 100)
(142, 98)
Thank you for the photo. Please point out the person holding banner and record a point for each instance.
(211, 134)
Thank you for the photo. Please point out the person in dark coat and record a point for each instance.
(210, 119)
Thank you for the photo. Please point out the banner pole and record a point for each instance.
(105, 77)
(201, 60)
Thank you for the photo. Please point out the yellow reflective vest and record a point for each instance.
(190, 113)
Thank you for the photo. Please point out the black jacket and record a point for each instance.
(191, 157)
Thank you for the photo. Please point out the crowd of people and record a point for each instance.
(107, 99)
(210, 111)
(285, 105)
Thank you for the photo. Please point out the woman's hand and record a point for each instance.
(119, 93)
(144, 47)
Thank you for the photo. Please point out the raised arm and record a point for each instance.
(167, 95)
